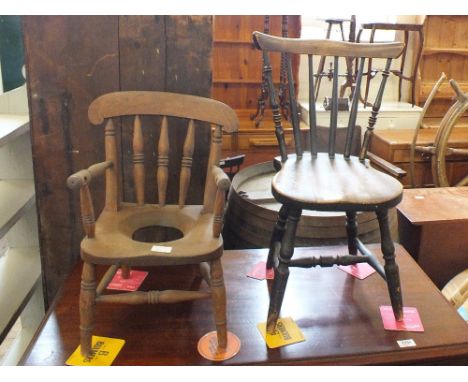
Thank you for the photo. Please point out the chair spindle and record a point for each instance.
(275, 107)
(163, 163)
(312, 111)
(375, 111)
(138, 162)
(334, 110)
(213, 160)
(87, 211)
(112, 173)
(293, 108)
(186, 166)
(354, 110)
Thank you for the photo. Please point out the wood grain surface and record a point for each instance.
(435, 205)
(341, 325)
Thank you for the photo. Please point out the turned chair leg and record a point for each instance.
(87, 307)
(282, 271)
(351, 230)
(125, 271)
(218, 292)
(391, 267)
(277, 235)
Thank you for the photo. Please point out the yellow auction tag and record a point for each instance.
(103, 352)
(287, 332)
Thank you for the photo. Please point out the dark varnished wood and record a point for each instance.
(65, 73)
(334, 184)
(326, 181)
(327, 47)
(342, 324)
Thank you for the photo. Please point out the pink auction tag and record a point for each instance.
(131, 284)
(360, 270)
(260, 272)
(411, 321)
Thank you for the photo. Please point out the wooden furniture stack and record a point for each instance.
(445, 50)
(393, 145)
(237, 76)
(417, 30)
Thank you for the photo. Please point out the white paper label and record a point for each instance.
(406, 343)
(161, 248)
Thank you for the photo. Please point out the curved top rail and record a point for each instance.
(163, 103)
(327, 47)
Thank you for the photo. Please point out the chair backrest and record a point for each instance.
(336, 49)
(140, 103)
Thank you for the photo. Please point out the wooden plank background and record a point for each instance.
(71, 60)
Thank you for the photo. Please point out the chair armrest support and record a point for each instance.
(83, 177)
(386, 166)
(223, 185)
(80, 180)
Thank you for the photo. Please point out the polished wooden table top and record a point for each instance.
(435, 205)
(338, 315)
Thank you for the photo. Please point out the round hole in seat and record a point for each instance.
(157, 234)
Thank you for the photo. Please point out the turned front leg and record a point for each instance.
(282, 271)
(87, 305)
(277, 235)
(218, 292)
(391, 268)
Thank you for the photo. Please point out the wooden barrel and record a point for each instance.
(252, 211)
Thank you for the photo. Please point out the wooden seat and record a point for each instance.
(115, 238)
(328, 181)
(370, 187)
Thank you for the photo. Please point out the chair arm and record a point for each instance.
(221, 179)
(81, 180)
(386, 166)
(223, 184)
(83, 177)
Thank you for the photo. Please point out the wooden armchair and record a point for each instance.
(110, 238)
(328, 181)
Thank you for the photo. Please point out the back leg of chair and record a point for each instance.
(87, 307)
(218, 293)
(126, 270)
(277, 235)
(282, 271)
(351, 230)
(391, 267)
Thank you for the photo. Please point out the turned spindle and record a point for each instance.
(87, 211)
(138, 162)
(163, 163)
(186, 166)
(213, 160)
(112, 174)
